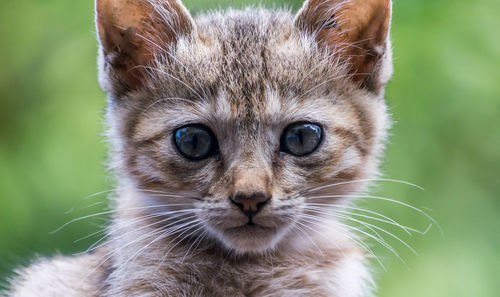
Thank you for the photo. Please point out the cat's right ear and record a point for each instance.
(131, 32)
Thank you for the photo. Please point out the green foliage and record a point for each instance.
(444, 98)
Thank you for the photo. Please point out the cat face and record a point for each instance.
(240, 118)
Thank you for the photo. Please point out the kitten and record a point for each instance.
(237, 137)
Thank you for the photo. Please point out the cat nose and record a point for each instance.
(250, 204)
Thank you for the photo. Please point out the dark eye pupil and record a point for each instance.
(301, 139)
(195, 142)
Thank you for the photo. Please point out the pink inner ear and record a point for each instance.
(360, 31)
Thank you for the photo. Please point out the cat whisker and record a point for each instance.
(368, 225)
(322, 235)
(307, 235)
(164, 235)
(72, 209)
(384, 219)
(95, 245)
(172, 196)
(200, 223)
(199, 239)
(334, 213)
(383, 199)
(179, 219)
(95, 204)
(382, 242)
(99, 193)
(110, 254)
(158, 191)
(337, 216)
(142, 218)
(114, 211)
(360, 243)
(375, 237)
(363, 180)
(316, 221)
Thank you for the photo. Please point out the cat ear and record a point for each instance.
(131, 32)
(357, 31)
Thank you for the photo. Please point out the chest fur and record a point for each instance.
(332, 275)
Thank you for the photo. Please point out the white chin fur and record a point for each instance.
(251, 239)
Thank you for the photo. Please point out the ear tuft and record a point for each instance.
(131, 32)
(355, 30)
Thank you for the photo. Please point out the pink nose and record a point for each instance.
(250, 204)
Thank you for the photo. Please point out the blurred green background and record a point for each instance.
(445, 97)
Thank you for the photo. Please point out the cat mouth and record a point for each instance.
(250, 225)
(250, 222)
(251, 237)
(250, 228)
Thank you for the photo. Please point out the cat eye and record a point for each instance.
(195, 142)
(301, 139)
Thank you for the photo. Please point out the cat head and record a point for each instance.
(246, 116)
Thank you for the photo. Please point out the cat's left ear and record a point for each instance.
(131, 32)
(357, 32)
